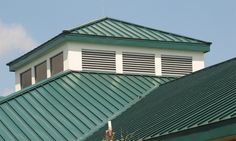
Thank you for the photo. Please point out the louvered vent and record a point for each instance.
(176, 65)
(138, 63)
(98, 60)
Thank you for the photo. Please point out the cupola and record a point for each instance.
(112, 46)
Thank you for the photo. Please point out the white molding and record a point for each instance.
(17, 82)
(32, 75)
(119, 62)
(48, 68)
(158, 64)
(65, 58)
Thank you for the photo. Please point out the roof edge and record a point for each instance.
(138, 42)
(57, 39)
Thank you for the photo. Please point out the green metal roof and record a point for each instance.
(71, 105)
(109, 27)
(115, 32)
(196, 101)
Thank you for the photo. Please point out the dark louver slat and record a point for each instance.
(41, 71)
(25, 79)
(98, 60)
(57, 63)
(138, 63)
(176, 65)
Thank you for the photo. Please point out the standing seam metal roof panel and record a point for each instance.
(71, 105)
(116, 28)
(197, 100)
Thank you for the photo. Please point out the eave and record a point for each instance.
(105, 40)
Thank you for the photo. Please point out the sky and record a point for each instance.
(25, 24)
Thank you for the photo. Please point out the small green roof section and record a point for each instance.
(111, 31)
(109, 27)
(204, 101)
(71, 105)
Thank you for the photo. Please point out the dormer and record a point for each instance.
(114, 46)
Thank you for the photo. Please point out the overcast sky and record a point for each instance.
(25, 24)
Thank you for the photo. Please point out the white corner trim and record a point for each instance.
(74, 59)
(198, 62)
(48, 68)
(158, 64)
(119, 62)
(32, 75)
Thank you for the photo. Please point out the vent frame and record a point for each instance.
(176, 65)
(139, 63)
(98, 60)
